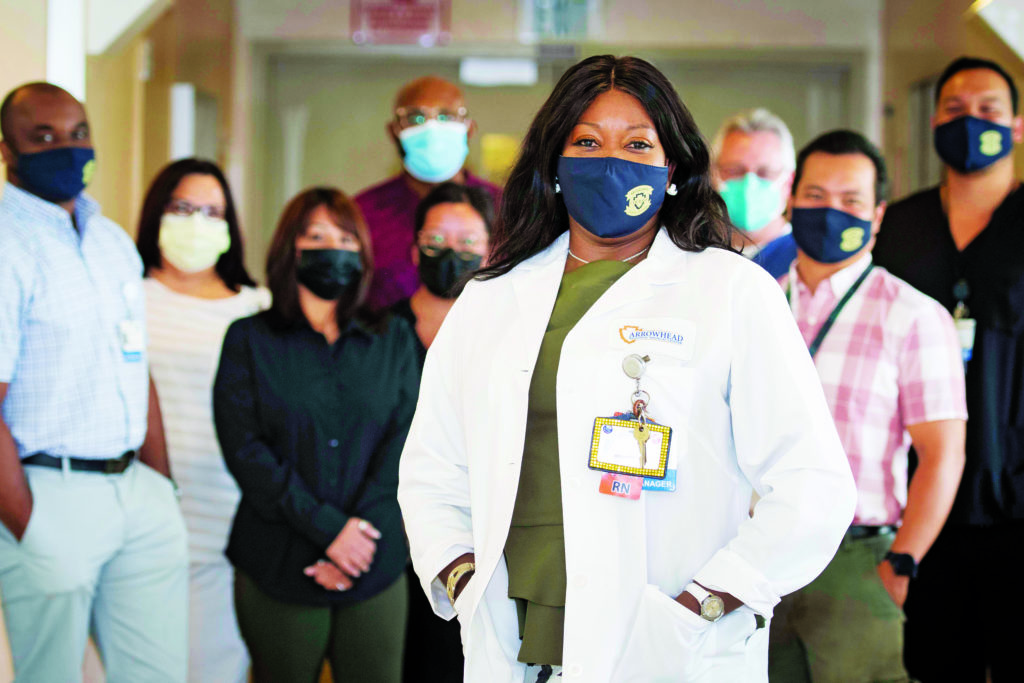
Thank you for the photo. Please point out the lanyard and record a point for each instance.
(816, 344)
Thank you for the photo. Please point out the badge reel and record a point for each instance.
(630, 448)
(965, 324)
(130, 332)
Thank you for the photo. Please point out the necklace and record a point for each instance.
(624, 260)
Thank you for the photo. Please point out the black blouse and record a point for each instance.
(312, 433)
(915, 244)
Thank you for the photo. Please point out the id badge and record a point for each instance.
(132, 340)
(615, 448)
(965, 328)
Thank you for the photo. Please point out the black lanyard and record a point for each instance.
(816, 344)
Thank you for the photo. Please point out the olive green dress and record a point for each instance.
(535, 549)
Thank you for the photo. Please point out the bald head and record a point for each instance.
(27, 103)
(429, 92)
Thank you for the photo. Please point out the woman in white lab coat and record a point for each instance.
(547, 504)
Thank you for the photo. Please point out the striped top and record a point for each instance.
(185, 338)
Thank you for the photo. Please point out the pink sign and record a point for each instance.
(401, 22)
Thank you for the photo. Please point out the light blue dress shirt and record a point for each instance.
(72, 316)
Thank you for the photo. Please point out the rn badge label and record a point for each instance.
(638, 200)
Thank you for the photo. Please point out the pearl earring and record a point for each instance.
(672, 190)
(558, 188)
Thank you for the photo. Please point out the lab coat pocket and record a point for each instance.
(665, 642)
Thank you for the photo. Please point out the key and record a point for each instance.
(641, 434)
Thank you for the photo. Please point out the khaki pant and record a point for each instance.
(843, 627)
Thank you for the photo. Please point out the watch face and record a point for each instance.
(712, 608)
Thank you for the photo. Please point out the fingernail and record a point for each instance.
(341, 587)
(308, 571)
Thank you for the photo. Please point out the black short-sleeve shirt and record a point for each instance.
(915, 244)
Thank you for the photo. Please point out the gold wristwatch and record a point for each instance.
(453, 578)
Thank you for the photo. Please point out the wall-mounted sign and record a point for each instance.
(401, 22)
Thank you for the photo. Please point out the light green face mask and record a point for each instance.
(753, 202)
(193, 243)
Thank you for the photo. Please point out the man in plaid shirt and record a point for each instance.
(890, 363)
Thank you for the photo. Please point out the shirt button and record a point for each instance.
(333, 443)
(575, 670)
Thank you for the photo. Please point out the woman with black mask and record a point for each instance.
(453, 228)
(312, 403)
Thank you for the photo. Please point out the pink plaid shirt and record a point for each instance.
(891, 359)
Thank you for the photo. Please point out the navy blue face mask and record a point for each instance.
(970, 144)
(829, 235)
(611, 197)
(56, 175)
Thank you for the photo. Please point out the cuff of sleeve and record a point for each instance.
(436, 591)
(325, 525)
(728, 572)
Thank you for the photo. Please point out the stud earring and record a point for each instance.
(558, 188)
(672, 190)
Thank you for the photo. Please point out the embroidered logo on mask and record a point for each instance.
(991, 143)
(638, 200)
(852, 239)
(88, 170)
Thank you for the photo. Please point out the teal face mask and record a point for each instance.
(435, 150)
(753, 202)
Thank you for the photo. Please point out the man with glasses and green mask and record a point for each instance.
(431, 129)
(752, 162)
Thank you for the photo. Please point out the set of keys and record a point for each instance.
(634, 366)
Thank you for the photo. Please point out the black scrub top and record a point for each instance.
(312, 432)
(915, 244)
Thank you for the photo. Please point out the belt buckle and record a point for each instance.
(113, 466)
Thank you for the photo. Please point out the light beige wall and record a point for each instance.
(22, 45)
(113, 102)
(922, 37)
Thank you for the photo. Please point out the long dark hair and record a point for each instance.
(282, 257)
(532, 215)
(230, 266)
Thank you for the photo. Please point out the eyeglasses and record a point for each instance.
(408, 117)
(438, 243)
(183, 207)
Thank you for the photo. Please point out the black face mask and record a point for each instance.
(442, 269)
(329, 273)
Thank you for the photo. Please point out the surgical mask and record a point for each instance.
(442, 270)
(193, 243)
(57, 175)
(829, 235)
(611, 197)
(752, 201)
(436, 150)
(329, 273)
(970, 144)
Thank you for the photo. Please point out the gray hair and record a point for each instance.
(754, 121)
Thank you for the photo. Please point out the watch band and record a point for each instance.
(903, 564)
(454, 577)
(712, 607)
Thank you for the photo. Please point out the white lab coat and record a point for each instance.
(747, 413)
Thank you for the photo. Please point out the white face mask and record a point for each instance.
(193, 243)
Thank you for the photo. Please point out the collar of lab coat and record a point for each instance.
(536, 281)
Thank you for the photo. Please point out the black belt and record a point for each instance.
(857, 532)
(109, 466)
